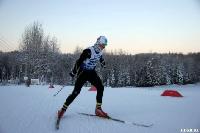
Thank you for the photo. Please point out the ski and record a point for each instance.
(57, 123)
(118, 120)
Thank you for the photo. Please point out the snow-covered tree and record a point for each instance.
(39, 52)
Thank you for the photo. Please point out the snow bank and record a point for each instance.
(33, 109)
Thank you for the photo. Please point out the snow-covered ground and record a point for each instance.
(33, 110)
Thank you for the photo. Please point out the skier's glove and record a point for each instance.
(103, 64)
(72, 74)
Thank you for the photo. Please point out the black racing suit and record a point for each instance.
(85, 75)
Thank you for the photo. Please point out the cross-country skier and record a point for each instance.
(84, 69)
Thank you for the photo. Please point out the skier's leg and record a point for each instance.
(81, 79)
(96, 81)
(77, 88)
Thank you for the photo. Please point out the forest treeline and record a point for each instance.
(39, 57)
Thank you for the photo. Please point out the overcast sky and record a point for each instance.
(135, 26)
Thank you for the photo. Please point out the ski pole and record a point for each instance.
(58, 91)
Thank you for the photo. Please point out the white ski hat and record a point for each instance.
(102, 40)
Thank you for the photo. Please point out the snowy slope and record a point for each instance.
(33, 110)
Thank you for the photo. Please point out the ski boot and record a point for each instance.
(60, 113)
(99, 112)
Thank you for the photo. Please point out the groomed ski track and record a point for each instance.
(33, 110)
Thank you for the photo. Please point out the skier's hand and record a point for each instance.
(72, 74)
(103, 64)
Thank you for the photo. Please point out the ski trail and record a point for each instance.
(33, 110)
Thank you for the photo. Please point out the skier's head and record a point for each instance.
(101, 42)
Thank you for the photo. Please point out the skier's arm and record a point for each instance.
(85, 54)
(102, 61)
